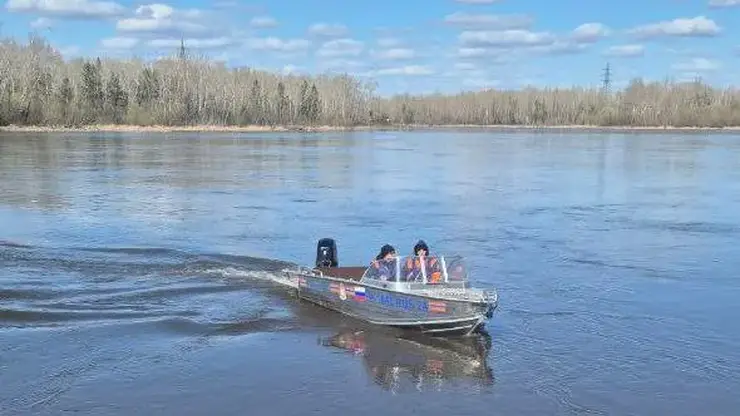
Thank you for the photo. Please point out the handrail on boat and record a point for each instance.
(444, 269)
(396, 268)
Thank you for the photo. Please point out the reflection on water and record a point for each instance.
(410, 362)
(51, 172)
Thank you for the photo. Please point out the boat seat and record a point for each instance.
(350, 273)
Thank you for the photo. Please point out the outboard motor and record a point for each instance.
(326, 253)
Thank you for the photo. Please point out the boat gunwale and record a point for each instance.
(415, 294)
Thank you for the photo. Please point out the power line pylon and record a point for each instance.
(607, 79)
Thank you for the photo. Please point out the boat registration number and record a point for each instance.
(398, 302)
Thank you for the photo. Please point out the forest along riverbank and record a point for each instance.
(42, 88)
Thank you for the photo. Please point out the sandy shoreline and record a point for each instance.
(263, 129)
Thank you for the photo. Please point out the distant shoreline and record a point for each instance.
(122, 128)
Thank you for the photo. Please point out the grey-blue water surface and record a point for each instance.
(135, 272)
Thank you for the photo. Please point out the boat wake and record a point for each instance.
(177, 290)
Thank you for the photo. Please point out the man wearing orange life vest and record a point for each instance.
(431, 265)
(383, 264)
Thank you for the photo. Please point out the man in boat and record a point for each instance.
(412, 271)
(385, 268)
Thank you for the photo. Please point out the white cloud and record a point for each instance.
(159, 26)
(67, 8)
(395, 54)
(42, 23)
(724, 3)
(388, 42)
(408, 70)
(493, 55)
(155, 11)
(590, 32)
(341, 64)
(341, 47)
(697, 65)
(328, 29)
(278, 45)
(505, 38)
(196, 43)
(626, 51)
(465, 66)
(503, 46)
(490, 21)
(559, 48)
(699, 26)
(120, 42)
(494, 43)
(466, 71)
(263, 22)
(473, 52)
(163, 19)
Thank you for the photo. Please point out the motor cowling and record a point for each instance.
(326, 253)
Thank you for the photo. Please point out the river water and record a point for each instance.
(136, 272)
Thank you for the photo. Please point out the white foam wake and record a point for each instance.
(230, 273)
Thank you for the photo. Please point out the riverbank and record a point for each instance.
(127, 128)
(260, 129)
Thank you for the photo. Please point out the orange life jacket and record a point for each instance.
(377, 265)
(436, 275)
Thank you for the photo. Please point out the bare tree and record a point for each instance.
(39, 87)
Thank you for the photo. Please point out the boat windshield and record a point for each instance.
(429, 270)
(384, 270)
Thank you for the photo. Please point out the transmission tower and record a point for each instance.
(607, 80)
(182, 52)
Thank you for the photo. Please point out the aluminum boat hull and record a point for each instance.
(381, 306)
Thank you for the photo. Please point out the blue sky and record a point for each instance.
(415, 46)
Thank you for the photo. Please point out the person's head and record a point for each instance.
(386, 252)
(421, 248)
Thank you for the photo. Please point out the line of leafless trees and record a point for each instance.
(39, 87)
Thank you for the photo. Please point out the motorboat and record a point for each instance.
(430, 294)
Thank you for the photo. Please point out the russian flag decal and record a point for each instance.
(359, 294)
